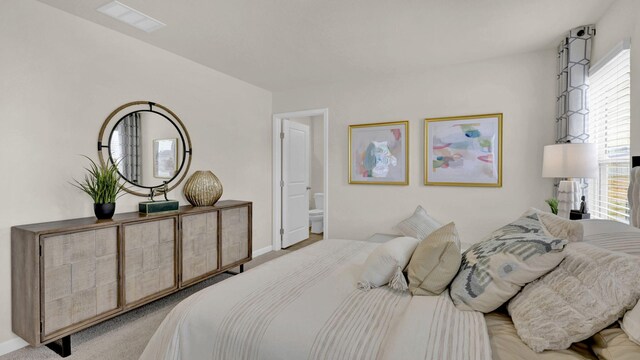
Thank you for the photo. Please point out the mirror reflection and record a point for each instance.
(147, 148)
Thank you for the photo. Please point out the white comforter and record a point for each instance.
(305, 305)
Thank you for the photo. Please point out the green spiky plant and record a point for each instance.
(102, 183)
(553, 204)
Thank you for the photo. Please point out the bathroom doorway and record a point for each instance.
(300, 191)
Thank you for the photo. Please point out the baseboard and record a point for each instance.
(12, 345)
(262, 251)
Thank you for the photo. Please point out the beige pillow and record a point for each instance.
(631, 324)
(419, 225)
(385, 264)
(613, 344)
(587, 292)
(507, 345)
(435, 262)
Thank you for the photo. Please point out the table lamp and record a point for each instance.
(570, 162)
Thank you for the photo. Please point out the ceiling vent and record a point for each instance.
(131, 16)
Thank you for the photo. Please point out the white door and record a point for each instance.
(295, 183)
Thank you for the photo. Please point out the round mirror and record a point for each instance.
(149, 145)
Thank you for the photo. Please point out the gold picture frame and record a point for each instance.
(468, 148)
(387, 160)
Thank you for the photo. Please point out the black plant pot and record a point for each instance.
(104, 211)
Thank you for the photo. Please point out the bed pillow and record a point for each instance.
(559, 227)
(385, 264)
(435, 262)
(419, 225)
(631, 324)
(494, 270)
(613, 344)
(587, 292)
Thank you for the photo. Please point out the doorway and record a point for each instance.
(300, 177)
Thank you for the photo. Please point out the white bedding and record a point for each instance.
(612, 235)
(305, 305)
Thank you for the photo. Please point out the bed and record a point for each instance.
(305, 305)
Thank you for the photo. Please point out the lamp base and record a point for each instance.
(568, 197)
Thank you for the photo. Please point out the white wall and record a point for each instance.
(62, 76)
(620, 22)
(522, 87)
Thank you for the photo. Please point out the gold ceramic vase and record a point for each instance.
(202, 189)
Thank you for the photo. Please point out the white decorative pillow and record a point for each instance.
(385, 264)
(587, 292)
(419, 225)
(630, 324)
(494, 270)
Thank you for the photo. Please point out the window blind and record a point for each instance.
(609, 129)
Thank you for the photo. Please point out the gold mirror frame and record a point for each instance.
(188, 148)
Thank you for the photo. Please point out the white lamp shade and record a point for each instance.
(570, 161)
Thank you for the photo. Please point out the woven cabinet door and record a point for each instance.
(79, 276)
(234, 235)
(199, 245)
(149, 259)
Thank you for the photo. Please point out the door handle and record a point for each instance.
(308, 187)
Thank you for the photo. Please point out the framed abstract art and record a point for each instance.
(463, 151)
(379, 153)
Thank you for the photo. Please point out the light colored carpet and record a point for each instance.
(125, 337)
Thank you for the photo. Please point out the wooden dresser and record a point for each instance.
(69, 275)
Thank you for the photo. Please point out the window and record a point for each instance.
(609, 128)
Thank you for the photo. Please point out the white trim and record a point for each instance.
(277, 169)
(259, 252)
(12, 345)
(622, 45)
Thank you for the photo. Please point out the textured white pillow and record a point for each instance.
(630, 324)
(385, 264)
(587, 292)
(419, 225)
(561, 228)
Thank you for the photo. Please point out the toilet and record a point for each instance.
(316, 216)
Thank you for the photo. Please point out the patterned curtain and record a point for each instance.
(574, 57)
(130, 164)
(572, 108)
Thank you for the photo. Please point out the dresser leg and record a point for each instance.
(61, 346)
(239, 272)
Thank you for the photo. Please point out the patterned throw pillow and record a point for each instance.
(419, 225)
(494, 270)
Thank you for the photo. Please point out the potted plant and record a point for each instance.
(102, 184)
(553, 204)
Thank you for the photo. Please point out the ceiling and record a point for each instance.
(280, 45)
